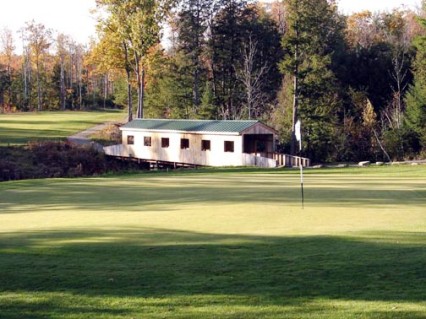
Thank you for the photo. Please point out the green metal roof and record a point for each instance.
(213, 126)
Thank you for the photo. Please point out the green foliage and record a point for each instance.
(192, 23)
(281, 117)
(402, 144)
(207, 72)
(169, 93)
(207, 108)
(415, 116)
(238, 30)
(314, 32)
(5, 82)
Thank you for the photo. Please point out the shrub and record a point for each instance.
(56, 159)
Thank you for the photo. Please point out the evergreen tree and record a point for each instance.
(415, 116)
(192, 23)
(310, 43)
(243, 42)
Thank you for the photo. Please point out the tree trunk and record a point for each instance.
(106, 89)
(142, 97)
(129, 84)
(38, 87)
(129, 96)
(63, 106)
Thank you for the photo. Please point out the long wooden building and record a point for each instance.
(198, 142)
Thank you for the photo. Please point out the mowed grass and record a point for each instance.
(20, 128)
(216, 244)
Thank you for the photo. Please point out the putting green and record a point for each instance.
(216, 244)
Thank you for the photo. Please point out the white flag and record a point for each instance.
(297, 131)
(298, 134)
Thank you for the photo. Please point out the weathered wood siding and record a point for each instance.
(259, 128)
(216, 156)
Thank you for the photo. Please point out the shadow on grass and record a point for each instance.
(269, 271)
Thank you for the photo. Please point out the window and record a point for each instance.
(184, 143)
(229, 146)
(130, 140)
(165, 142)
(147, 141)
(205, 145)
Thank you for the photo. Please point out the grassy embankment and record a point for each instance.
(18, 129)
(216, 244)
(36, 160)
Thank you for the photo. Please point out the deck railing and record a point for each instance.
(291, 161)
(259, 159)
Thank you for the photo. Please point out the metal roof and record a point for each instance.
(212, 126)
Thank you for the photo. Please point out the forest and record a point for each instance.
(356, 82)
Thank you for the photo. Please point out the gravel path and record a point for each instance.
(83, 137)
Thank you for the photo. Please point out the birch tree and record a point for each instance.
(251, 76)
(62, 53)
(38, 39)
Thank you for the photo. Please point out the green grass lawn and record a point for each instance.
(19, 128)
(216, 244)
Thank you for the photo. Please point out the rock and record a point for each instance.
(365, 163)
(318, 166)
(380, 163)
(414, 164)
(342, 165)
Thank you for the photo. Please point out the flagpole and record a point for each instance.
(301, 184)
(299, 138)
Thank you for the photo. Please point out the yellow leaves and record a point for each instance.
(365, 29)
(368, 115)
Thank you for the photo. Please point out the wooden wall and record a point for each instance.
(216, 156)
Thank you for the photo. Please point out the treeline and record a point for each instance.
(51, 73)
(357, 83)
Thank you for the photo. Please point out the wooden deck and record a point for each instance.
(291, 161)
(258, 159)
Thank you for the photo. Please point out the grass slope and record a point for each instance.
(19, 128)
(216, 244)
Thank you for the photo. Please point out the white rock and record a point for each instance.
(364, 163)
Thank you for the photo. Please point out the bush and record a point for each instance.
(56, 159)
(402, 143)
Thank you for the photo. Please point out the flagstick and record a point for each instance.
(301, 185)
(298, 135)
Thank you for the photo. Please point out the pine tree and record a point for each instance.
(310, 41)
(415, 115)
(192, 24)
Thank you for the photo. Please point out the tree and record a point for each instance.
(310, 43)
(230, 61)
(415, 116)
(38, 40)
(113, 49)
(6, 48)
(224, 50)
(192, 23)
(251, 77)
(136, 25)
(397, 35)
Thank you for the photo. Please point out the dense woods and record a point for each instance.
(357, 82)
